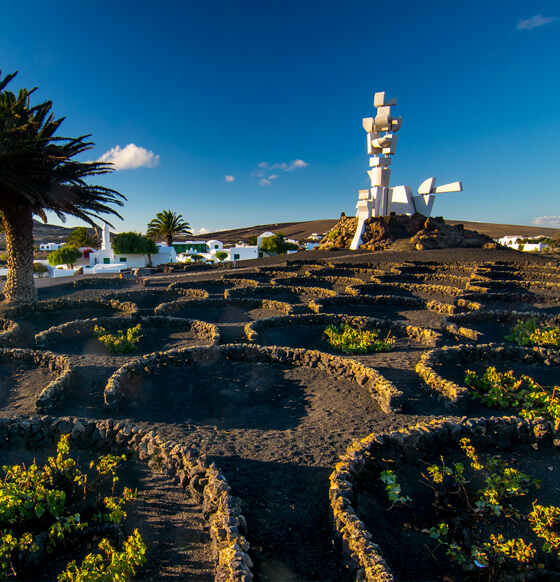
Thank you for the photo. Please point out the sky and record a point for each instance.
(235, 113)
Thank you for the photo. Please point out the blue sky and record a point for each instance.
(243, 113)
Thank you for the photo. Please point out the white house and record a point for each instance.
(511, 242)
(50, 246)
(215, 245)
(106, 260)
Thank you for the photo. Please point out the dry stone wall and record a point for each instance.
(58, 365)
(201, 480)
(365, 459)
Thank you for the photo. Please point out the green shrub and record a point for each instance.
(130, 243)
(504, 390)
(350, 340)
(222, 256)
(121, 342)
(48, 503)
(277, 244)
(531, 333)
(64, 256)
(40, 269)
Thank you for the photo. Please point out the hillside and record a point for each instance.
(302, 230)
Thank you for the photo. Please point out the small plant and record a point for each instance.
(530, 333)
(473, 508)
(393, 489)
(40, 269)
(121, 342)
(115, 567)
(38, 510)
(350, 340)
(504, 390)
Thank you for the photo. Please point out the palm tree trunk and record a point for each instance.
(169, 240)
(18, 227)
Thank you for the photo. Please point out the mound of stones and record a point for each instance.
(423, 233)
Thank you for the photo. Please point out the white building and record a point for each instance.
(529, 247)
(107, 261)
(51, 246)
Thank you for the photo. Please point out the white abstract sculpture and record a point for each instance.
(380, 199)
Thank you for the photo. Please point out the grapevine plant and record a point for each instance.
(121, 342)
(530, 333)
(476, 499)
(350, 340)
(38, 514)
(503, 390)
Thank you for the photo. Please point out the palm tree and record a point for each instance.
(81, 237)
(168, 224)
(38, 174)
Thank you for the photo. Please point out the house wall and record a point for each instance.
(243, 253)
(50, 246)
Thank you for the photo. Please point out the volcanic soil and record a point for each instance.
(275, 431)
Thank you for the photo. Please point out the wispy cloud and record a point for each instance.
(229, 178)
(203, 230)
(130, 157)
(548, 221)
(263, 169)
(535, 22)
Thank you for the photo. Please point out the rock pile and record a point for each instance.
(423, 233)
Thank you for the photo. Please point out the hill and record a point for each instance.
(303, 230)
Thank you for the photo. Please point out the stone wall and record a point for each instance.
(280, 290)
(466, 354)
(62, 304)
(207, 331)
(218, 302)
(365, 459)
(9, 332)
(201, 480)
(317, 305)
(422, 335)
(58, 365)
(382, 391)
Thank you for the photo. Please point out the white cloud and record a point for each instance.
(130, 157)
(203, 230)
(535, 22)
(295, 165)
(548, 221)
(230, 178)
(260, 172)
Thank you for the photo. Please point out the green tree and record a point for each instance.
(221, 256)
(38, 173)
(40, 269)
(131, 243)
(277, 244)
(82, 237)
(64, 256)
(168, 224)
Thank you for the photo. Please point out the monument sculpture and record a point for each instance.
(380, 199)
